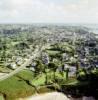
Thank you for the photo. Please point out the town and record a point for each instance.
(46, 55)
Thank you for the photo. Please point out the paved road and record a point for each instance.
(29, 61)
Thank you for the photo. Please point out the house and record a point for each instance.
(33, 64)
(72, 59)
(72, 69)
(82, 64)
(45, 58)
(32, 68)
(55, 60)
(83, 60)
(86, 64)
(65, 56)
(90, 43)
(75, 56)
(12, 65)
(9, 60)
(96, 50)
(96, 64)
(66, 66)
(59, 69)
(19, 61)
(25, 59)
(86, 51)
(62, 68)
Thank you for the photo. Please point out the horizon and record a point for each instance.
(50, 23)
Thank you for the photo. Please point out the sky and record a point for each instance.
(48, 11)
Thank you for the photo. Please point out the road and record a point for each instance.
(36, 53)
(29, 61)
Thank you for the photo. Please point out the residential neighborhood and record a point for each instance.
(43, 55)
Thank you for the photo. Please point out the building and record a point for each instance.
(65, 57)
(12, 65)
(45, 58)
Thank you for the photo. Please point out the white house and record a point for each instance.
(72, 71)
(65, 57)
(12, 65)
(87, 51)
(66, 66)
(19, 61)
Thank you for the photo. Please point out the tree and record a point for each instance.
(67, 73)
(82, 75)
(39, 68)
(66, 70)
(53, 67)
(45, 70)
(77, 67)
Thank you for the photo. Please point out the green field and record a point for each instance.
(1, 97)
(52, 52)
(41, 79)
(24, 84)
(4, 69)
(16, 86)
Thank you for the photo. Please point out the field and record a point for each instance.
(52, 52)
(17, 86)
(41, 79)
(1, 97)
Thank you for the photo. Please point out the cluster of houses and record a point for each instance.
(88, 48)
(72, 68)
(82, 56)
(46, 61)
(45, 58)
(88, 52)
(33, 65)
(15, 62)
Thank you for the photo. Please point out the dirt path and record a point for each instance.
(48, 96)
(55, 96)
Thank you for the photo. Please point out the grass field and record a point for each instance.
(26, 74)
(52, 52)
(4, 69)
(1, 97)
(41, 79)
(16, 86)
